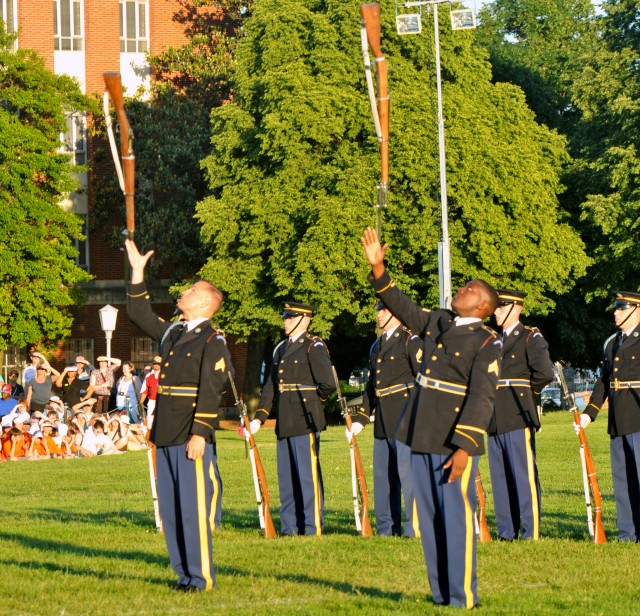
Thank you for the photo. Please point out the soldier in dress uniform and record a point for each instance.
(619, 383)
(526, 369)
(394, 362)
(195, 366)
(300, 380)
(445, 420)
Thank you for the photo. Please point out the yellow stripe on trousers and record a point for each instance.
(414, 520)
(214, 500)
(531, 474)
(469, 534)
(201, 502)
(316, 486)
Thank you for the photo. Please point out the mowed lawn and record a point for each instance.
(78, 537)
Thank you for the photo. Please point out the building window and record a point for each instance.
(82, 246)
(14, 357)
(67, 25)
(8, 14)
(143, 350)
(74, 139)
(134, 29)
(78, 346)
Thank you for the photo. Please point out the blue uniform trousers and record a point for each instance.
(187, 491)
(625, 468)
(515, 484)
(300, 483)
(391, 477)
(447, 528)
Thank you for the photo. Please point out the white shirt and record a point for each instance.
(191, 324)
(466, 320)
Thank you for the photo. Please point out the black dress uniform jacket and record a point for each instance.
(393, 362)
(299, 382)
(197, 360)
(465, 358)
(525, 357)
(619, 372)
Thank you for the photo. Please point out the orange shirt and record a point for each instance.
(51, 444)
(39, 448)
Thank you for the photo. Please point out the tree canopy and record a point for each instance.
(294, 165)
(37, 268)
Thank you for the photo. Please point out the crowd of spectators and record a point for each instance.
(82, 412)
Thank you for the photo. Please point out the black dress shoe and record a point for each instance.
(188, 588)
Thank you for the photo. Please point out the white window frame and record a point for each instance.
(74, 140)
(136, 41)
(74, 41)
(9, 14)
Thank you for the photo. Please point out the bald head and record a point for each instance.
(201, 300)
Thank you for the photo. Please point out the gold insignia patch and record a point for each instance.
(419, 356)
(493, 367)
(220, 365)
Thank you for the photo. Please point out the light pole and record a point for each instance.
(411, 23)
(108, 316)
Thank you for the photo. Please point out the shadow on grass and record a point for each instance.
(45, 546)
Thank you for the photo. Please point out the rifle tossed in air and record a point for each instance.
(259, 478)
(589, 475)
(370, 37)
(358, 480)
(126, 171)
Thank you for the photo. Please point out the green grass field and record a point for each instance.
(78, 537)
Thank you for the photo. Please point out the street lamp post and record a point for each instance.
(410, 23)
(108, 316)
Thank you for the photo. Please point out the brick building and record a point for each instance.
(86, 38)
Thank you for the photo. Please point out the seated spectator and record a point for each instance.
(7, 403)
(79, 422)
(118, 432)
(17, 391)
(18, 446)
(38, 449)
(39, 388)
(7, 424)
(101, 382)
(48, 429)
(95, 442)
(55, 410)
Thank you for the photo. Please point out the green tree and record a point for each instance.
(607, 144)
(294, 165)
(540, 45)
(37, 269)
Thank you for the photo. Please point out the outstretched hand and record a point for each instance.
(137, 261)
(374, 251)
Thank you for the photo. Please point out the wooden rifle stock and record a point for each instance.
(263, 497)
(126, 169)
(361, 493)
(370, 14)
(483, 527)
(590, 477)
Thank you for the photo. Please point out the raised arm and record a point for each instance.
(137, 261)
(374, 251)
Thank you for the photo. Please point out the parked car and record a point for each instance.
(359, 378)
(551, 399)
